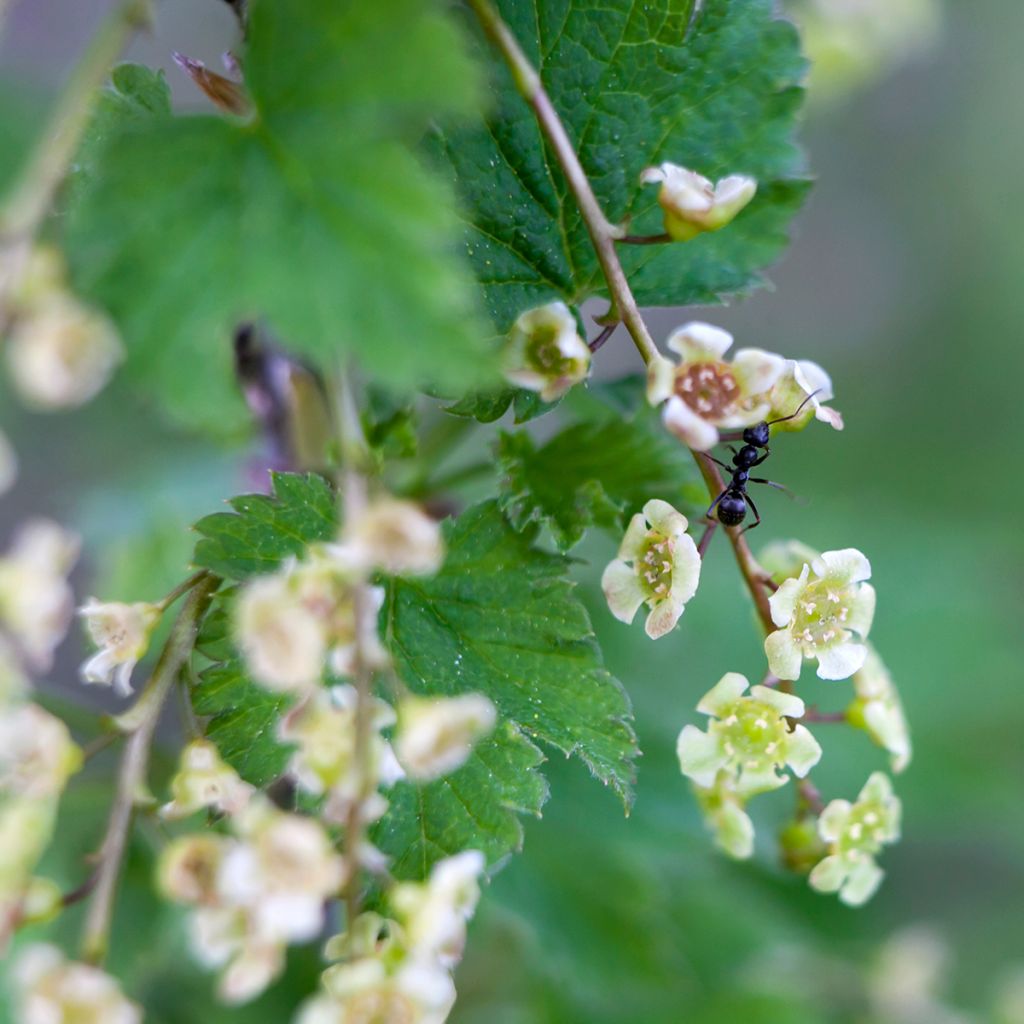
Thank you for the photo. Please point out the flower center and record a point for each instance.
(655, 568)
(865, 830)
(380, 1007)
(709, 389)
(752, 734)
(820, 615)
(545, 355)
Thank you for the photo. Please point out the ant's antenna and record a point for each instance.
(793, 415)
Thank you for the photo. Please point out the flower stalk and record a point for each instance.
(139, 724)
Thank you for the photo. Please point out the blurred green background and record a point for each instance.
(905, 282)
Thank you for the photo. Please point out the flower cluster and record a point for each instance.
(254, 892)
(399, 969)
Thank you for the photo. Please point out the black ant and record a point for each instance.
(733, 501)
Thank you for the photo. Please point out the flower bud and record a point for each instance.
(436, 735)
(800, 845)
(691, 204)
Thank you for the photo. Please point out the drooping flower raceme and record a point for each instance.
(879, 710)
(395, 537)
(704, 392)
(545, 353)
(855, 834)
(724, 815)
(436, 734)
(62, 353)
(657, 565)
(52, 990)
(825, 613)
(691, 204)
(750, 736)
(121, 632)
(802, 382)
(203, 780)
(36, 602)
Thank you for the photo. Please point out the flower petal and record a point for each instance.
(756, 370)
(723, 695)
(841, 661)
(661, 375)
(783, 602)
(622, 590)
(754, 781)
(843, 567)
(861, 883)
(700, 756)
(663, 618)
(803, 751)
(833, 820)
(829, 874)
(682, 421)
(686, 566)
(734, 831)
(787, 704)
(699, 342)
(664, 518)
(784, 654)
(631, 547)
(861, 609)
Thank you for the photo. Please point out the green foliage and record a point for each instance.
(265, 529)
(635, 83)
(500, 618)
(592, 473)
(314, 214)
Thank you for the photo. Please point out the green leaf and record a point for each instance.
(636, 82)
(593, 473)
(501, 619)
(315, 215)
(265, 529)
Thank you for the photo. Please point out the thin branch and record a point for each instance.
(812, 714)
(608, 331)
(139, 724)
(810, 797)
(709, 532)
(645, 239)
(182, 588)
(33, 196)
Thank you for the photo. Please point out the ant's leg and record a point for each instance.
(718, 462)
(713, 505)
(757, 515)
(758, 462)
(772, 483)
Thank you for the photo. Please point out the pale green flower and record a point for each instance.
(658, 565)
(748, 738)
(121, 632)
(802, 381)
(691, 204)
(436, 735)
(725, 817)
(704, 392)
(879, 710)
(545, 353)
(204, 780)
(855, 834)
(393, 536)
(824, 613)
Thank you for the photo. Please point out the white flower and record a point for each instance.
(545, 353)
(725, 816)
(189, 867)
(121, 632)
(222, 937)
(703, 392)
(879, 711)
(52, 990)
(802, 381)
(434, 913)
(8, 464)
(691, 204)
(284, 644)
(436, 735)
(323, 730)
(204, 780)
(855, 833)
(748, 738)
(36, 602)
(37, 754)
(657, 565)
(820, 616)
(61, 353)
(396, 537)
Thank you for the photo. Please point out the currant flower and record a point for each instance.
(855, 834)
(544, 352)
(691, 204)
(879, 711)
(396, 537)
(818, 614)
(802, 381)
(62, 353)
(703, 392)
(36, 601)
(222, 937)
(121, 632)
(37, 754)
(52, 990)
(725, 817)
(657, 565)
(436, 734)
(203, 780)
(284, 644)
(749, 738)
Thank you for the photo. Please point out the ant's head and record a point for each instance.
(758, 435)
(732, 510)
